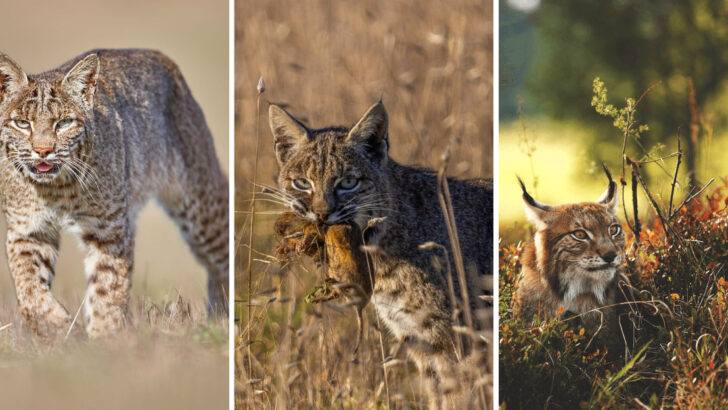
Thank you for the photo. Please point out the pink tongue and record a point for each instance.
(44, 167)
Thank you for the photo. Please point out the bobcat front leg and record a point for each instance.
(32, 257)
(108, 266)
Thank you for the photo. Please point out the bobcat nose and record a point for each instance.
(42, 150)
(609, 256)
(322, 214)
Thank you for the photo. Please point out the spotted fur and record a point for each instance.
(84, 146)
(574, 262)
(338, 174)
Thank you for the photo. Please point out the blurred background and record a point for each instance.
(550, 52)
(328, 61)
(174, 372)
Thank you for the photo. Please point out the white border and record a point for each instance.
(496, 268)
(231, 204)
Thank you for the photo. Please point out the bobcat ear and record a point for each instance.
(287, 131)
(12, 77)
(610, 198)
(536, 212)
(80, 82)
(372, 131)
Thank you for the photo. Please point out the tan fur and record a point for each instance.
(410, 291)
(574, 262)
(84, 146)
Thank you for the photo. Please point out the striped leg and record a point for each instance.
(108, 270)
(32, 257)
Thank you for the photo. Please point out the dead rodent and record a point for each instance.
(337, 251)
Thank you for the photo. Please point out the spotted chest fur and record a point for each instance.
(84, 147)
(338, 174)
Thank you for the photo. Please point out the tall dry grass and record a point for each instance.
(431, 63)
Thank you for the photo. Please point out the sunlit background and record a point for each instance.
(550, 52)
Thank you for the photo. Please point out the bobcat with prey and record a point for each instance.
(338, 176)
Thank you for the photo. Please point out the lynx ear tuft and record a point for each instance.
(288, 132)
(536, 212)
(610, 198)
(372, 131)
(12, 77)
(80, 82)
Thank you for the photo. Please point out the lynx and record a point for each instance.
(338, 175)
(574, 262)
(84, 146)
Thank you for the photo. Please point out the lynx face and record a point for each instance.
(332, 175)
(578, 246)
(44, 121)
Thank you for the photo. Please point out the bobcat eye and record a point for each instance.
(348, 184)
(615, 229)
(579, 235)
(63, 123)
(22, 123)
(302, 184)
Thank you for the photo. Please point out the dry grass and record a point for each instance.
(431, 63)
(170, 357)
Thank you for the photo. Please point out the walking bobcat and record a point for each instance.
(574, 262)
(335, 175)
(83, 147)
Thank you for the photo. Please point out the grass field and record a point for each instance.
(168, 363)
(329, 61)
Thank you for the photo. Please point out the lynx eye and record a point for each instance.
(349, 184)
(22, 124)
(579, 235)
(302, 184)
(63, 123)
(615, 230)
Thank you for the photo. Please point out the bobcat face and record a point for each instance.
(44, 121)
(332, 175)
(579, 246)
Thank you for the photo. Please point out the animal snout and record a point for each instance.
(322, 214)
(43, 151)
(609, 256)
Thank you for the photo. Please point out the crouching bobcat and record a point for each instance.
(84, 146)
(574, 262)
(337, 175)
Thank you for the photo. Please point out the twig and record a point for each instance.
(75, 318)
(674, 178)
(261, 90)
(691, 197)
(637, 225)
(655, 206)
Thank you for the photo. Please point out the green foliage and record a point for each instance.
(623, 117)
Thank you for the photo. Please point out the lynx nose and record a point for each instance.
(609, 256)
(43, 150)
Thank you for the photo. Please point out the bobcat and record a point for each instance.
(83, 147)
(336, 175)
(574, 262)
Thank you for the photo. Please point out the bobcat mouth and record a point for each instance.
(44, 170)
